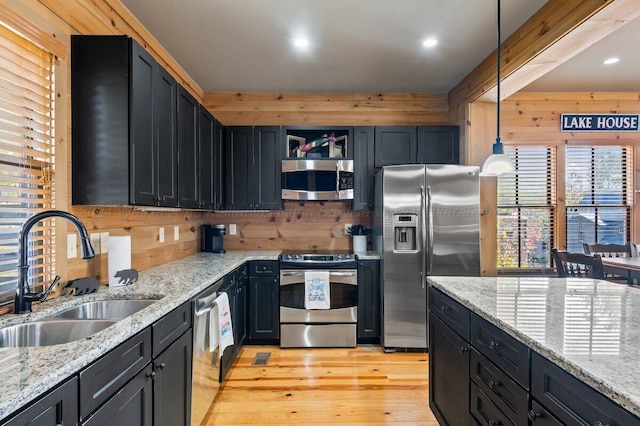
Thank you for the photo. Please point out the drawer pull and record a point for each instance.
(599, 423)
(495, 422)
(445, 309)
(463, 349)
(493, 385)
(493, 345)
(533, 415)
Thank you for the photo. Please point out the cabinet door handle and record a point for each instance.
(160, 366)
(533, 415)
(463, 349)
(493, 385)
(600, 423)
(495, 422)
(152, 374)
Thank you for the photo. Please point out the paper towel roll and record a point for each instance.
(119, 258)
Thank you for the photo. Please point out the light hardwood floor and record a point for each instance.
(350, 386)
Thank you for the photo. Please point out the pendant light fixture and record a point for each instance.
(498, 162)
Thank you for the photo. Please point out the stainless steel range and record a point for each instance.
(334, 325)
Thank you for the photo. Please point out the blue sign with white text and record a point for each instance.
(599, 122)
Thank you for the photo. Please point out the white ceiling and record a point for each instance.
(361, 45)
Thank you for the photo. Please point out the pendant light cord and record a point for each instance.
(498, 79)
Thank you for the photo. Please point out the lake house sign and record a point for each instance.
(599, 122)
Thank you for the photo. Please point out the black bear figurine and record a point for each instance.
(127, 276)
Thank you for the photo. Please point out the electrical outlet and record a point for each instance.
(94, 238)
(232, 229)
(347, 226)
(104, 242)
(176, 233)
(161, 235)
(72, 246)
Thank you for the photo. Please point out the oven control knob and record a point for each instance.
(297, 256)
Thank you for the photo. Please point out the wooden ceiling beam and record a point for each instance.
(554, 34)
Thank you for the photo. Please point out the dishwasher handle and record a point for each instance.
(205, 304)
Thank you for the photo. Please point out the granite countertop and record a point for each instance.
(590, 328)
(29, 372)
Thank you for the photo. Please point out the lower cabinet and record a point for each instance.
(131, 405)
(145, 380)
(448, 374)
(368, 301)
(172, 383)
(480, 375)
(58, 407)
(264, 302)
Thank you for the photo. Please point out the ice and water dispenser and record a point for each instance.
(405, 227)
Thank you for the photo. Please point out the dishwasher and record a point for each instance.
(206, 362)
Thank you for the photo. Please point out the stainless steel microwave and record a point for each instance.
(325, 179)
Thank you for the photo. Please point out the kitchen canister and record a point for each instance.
(359, 243)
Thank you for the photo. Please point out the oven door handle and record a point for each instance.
(331, 273)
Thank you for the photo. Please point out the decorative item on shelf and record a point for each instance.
(82, 286)
(359, 233)
(321, 147)
(127, 276)
(498, 162)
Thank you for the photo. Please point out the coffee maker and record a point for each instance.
(212, 238)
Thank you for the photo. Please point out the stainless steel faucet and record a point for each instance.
(24, 296)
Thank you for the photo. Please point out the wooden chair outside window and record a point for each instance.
(578, 265)
(613, 250)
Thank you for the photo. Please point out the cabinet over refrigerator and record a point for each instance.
(426, 222)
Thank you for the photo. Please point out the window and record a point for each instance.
(595, 205)
(26, 154)
(598, 195)
(527, 208)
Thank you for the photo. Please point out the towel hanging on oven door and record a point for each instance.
(317, 294)
(224, 325)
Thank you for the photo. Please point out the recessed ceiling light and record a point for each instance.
(429, 42)
(610, 61)
(301, 43)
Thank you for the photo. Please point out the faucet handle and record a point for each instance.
(43, 296)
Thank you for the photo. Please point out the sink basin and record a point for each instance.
(104, 309)
(49, 332)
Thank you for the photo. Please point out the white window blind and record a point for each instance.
(598, 195)
(526, 208)
(26, 154)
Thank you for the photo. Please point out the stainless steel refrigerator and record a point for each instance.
(426, 222)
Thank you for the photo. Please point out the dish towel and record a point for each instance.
(214, 328)
(224, 322)
(317, 290)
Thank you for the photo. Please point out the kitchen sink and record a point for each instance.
(50, 332)
(104, 309)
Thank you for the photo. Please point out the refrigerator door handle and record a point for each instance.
(429, 232)
(423, 229)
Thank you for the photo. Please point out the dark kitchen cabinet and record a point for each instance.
(368, 301)
(571, 401)
(448, 374)
(421, 145)
(438, 145)
(124, 124)
(264, 308)
(130, 406)
(241, 305)
(58, 407)
(395, 145)
(219, 166)
(103, 378)
(188, 111)
(254, 168)
(364, 168)
(206, 159)
(172, 383)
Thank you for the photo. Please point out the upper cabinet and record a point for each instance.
(188, 150)
(123, 124)
(411, 144)
(254, 168)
